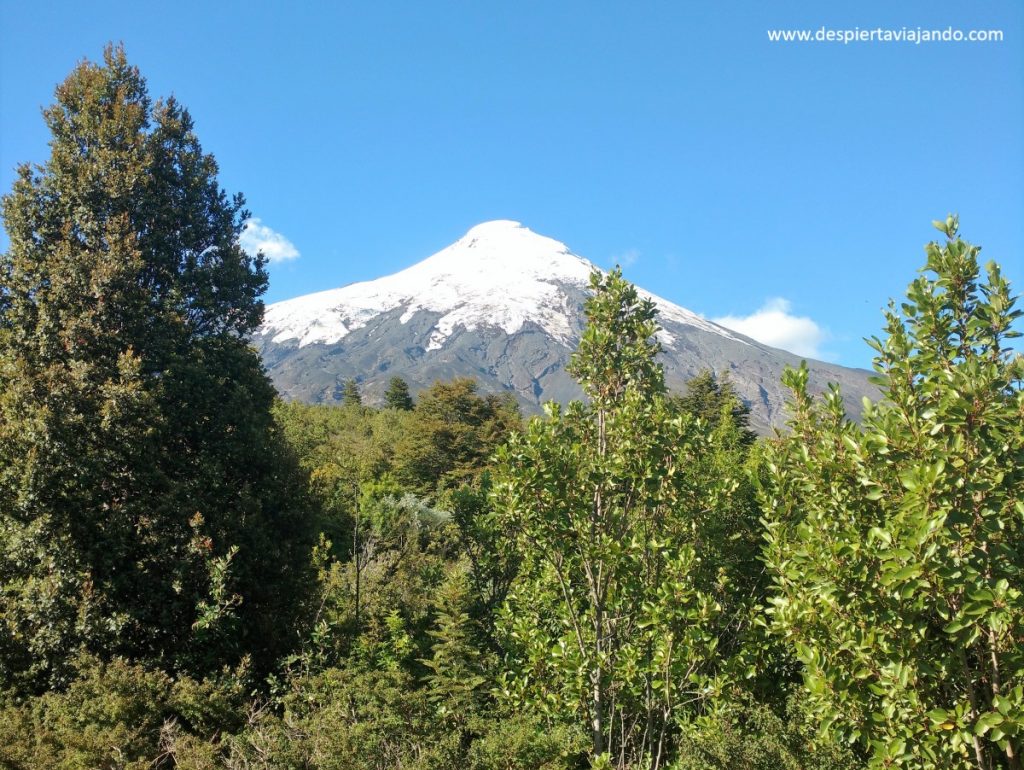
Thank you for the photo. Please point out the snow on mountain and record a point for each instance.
(504, 306)
(498, 274)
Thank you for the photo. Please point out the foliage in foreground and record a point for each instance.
(148, 506)
(623, 615)
(897, 546)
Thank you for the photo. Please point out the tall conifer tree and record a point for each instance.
(147, 509)
(350, 395)
(398, 395)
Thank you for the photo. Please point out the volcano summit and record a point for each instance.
(503, 305)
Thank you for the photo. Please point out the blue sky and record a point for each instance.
(730, 174)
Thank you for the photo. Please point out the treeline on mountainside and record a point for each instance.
(194, 575)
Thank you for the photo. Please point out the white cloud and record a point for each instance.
(258, 237)
(774, 325)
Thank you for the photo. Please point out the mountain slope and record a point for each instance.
(504, 305)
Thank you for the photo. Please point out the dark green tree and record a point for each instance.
(897, 546)
(714, 399)
(350, 395)
(456, 681)
(148, 507)
(397, 395)
(455, 431)
(489, 546)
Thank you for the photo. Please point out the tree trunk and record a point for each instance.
(356, 558)
(597, 711)
(979, 755)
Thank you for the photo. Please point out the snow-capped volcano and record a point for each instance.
(499, 274)
(504, 305)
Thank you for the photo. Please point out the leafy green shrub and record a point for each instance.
(748, 735)
(526, 742)
(897, 546)
(117, 715)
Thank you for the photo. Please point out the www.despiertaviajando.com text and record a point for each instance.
(911, 35)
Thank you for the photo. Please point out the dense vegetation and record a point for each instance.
(197, 576)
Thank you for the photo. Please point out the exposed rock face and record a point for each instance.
(505, 306)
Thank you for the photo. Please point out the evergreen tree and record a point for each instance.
(397, 395)
(456, 682)
(455, 432)
(714, 399)
(147, 506)
(897, 546)
(350, 395)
